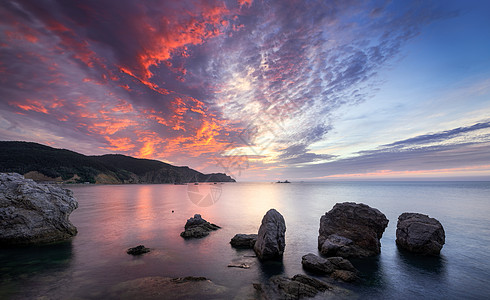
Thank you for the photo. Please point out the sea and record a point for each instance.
(112, 218)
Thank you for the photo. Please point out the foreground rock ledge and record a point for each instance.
(351, 230)
(420, 234)
(168, 288)
(271, 241)
(298, 287)
(32, 213)
(197, 227)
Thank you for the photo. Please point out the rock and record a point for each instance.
(271, 238)
(241, 266)
(298, 287)
(168, 288)
(344, 275)
(32, 213)
(330, 266)
(138, 250)
(419, 233)
(197, 227)
(246, 241)
(351, 230)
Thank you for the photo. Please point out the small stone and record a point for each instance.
(197, 227)
(138, 250)
(246, 241)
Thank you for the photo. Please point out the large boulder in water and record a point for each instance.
(271, 237)
(197, 227)
(351, 230)
(419, 233)
(32, 213)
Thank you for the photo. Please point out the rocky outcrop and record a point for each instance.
(138, 250)
(419, 233)
(168, 288)
(197, 227)
(337, 267)
(299, 287)
(351, 230)
(271, 238)
(32, 213)
(245, 241)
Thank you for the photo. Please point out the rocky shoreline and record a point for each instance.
(32, 213)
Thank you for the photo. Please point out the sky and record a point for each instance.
(257, 89)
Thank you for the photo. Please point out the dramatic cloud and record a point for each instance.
(215, 85)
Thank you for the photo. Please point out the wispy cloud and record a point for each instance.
(185, 81)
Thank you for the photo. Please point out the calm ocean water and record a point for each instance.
(112, 218)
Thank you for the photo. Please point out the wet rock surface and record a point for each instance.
(244, 241)
(138, 250)
(197, 227)
(271, 242)
(168, 288)
(351, 230)
(32, 213)
(298, 287)
(420, 234)
(336, 267)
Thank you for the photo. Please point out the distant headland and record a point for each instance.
(47, 164)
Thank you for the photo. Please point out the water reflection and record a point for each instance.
(371, 270)
(435, 265)
(271, 268)
(18, 265)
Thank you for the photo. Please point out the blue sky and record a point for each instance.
(262, 90)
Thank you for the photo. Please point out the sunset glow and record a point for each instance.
(261, 90)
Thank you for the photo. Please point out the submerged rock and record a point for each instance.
(197, 227)
(299, 287)
(32, 213)
(351, 230)
(138, 250)
(246, 241)
(419, 233)
(168, 288)
(271, 238)
(330, 266)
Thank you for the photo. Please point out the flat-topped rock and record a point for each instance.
(420, 234)
(351, 230)
(197, 227)
(245, 241)
(271, 242)
(168, 288)
(32, 213)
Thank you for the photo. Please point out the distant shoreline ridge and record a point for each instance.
(47, 164)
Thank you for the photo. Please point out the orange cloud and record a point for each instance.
(33, 105)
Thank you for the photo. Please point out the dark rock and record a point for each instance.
(351, 230)
(244, 240)
(419, 233)
(298, 287)
(32, 213)
(168, 288)
(138, 250)
(344, 275)
(271, 238)
(197, 227)
(330, 266)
